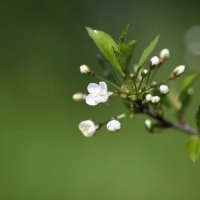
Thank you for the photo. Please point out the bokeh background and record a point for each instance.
(42, 153)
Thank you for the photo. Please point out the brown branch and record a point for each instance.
(164, 123)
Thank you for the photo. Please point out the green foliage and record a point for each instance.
(185, 95)
(148, 50)
(198, 120)
(125, 51)
(106, 45)
(193, 147)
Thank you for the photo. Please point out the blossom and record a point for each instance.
(97, 93)
(148, 97)
(155, 99)
(87, 127)
(164, 89)
(113, 125)
(84, 69)
(179, 70)
(154, 61)
(164, 54)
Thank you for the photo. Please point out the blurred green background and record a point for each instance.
(42, 153)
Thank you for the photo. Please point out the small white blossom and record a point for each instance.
(179, 70)
(87, 127)
(148, 124)
(98, 93)
(148, 97)
(79, 96)
(155, 99)
(113, 125)
(84, 69)
(154, 61)
(164, 54)
(164, 89)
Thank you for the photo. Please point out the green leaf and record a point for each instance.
(106, 45)
(198, 120)
(125, 53)
(148, 50)
(123, 35)
(185, 94)
(193, 147)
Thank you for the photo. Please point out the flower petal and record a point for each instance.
(103, 86)
(90, 100)
(93, 87)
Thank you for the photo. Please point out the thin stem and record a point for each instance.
(107, 81)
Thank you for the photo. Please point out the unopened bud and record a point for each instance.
(113, 125)
(148, 124)
(148, 97)
(79, 97)
(164, 89)
(155, 99)
(144, 72)
(177, 71)
(164, 54)
(153, 84)
(154, 61)
(84, 69)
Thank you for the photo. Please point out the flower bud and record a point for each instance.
(113, 125)
(155, 99)
(148, 97)
(177, 71)
(148, 124)
(88, 128)
(164, 89)
(144, 72)
(164, 54)
(84, 69)
(154, 61)
(153, 84)
(79, 96)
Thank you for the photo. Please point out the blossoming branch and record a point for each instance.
(137, 87)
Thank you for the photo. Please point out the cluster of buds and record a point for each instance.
(149, 93)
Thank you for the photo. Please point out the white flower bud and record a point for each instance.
(84, 69)
(88, 128)
(79, 96)
(148, 97)
(155, 99)
(179, 70)
(113, 125)
(154, 61)
(144, 72)
(164, 54)
(148, 124)
(164, 89)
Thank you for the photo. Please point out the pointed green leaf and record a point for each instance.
(185, 94)
(148, 50)
(123, 35)
(193, 147)
(106, 45)
(198, 120)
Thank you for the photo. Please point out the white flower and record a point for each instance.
(179, 70)
(79, 96)
(148, 124)
(144, 72)
(148, 97)
(164, 89)
(87, 127)
(155, 99)
(84, 69)
(164, 54)
(98, 93)
(154, 61)
(113, 125)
